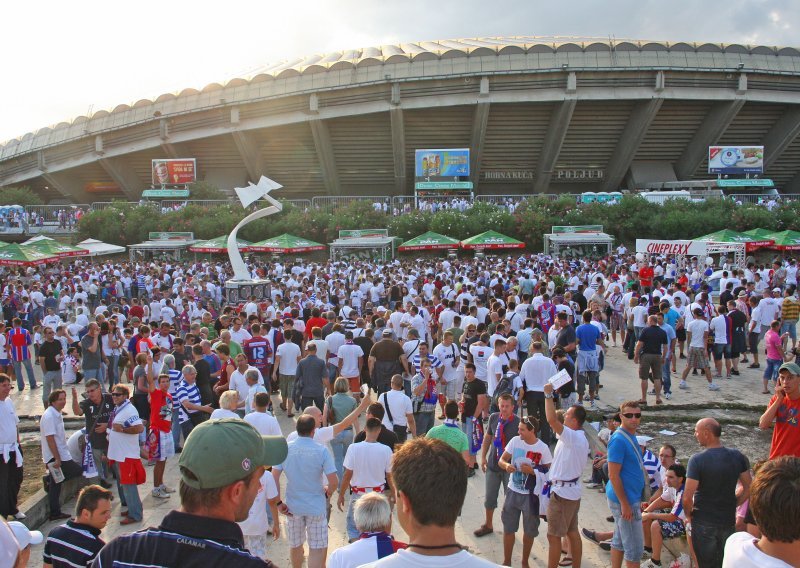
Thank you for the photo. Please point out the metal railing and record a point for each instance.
(764, 199)
(331, 203)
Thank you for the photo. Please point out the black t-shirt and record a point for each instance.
(472, 390)
(95, 414)
(716, 470)
(204, 381)
(566, 335)
(652, 338)
(386, 437)
(580, 299)
(738, 319)
(180, 359)
(49, 350)
(724, 297)
(569, 387)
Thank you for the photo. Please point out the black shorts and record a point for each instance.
(680, 334)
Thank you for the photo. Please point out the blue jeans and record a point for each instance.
(113, 371)
(176, 428)
(791, 327)
(770, 373)
(628, 535)
(709, 542)
(666, 375)
(339, 446)
(133, 501)
(18, 372)
(424, 421)
(98, 374)
(466, 427)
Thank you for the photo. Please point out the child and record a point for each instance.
(70, 366)
(37, 340)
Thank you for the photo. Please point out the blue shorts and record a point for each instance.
(5, 362)
(672, 529)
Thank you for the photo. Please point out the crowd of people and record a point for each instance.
(403, 380)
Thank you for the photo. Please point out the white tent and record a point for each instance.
(37, 239)
(99, 248)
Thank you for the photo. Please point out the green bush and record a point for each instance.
(632, 218)
(19, 196)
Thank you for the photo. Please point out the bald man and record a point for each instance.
(324, 434)
(710, 506)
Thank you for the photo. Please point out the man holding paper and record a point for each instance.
(536, 371)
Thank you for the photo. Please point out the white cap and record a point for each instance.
(25, 536)
(643, 440)
(776, 290)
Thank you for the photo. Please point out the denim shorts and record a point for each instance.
(628, 535)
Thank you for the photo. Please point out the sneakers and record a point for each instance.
(735, 373)
(668, 395)
(166, 489)
(650, 564)
(588, 480)
(158, 493)
(19, 515)
(683, 385)
(713, 387)
(593, 485)
(652, 391)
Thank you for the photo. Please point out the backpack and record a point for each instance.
(504, 385)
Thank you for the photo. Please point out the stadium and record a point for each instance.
(538, 115)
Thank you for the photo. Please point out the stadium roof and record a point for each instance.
(460, 48)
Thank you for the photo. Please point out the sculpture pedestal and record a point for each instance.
(239, 291)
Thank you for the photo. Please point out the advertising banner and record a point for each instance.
(171, 236)
(735, 159)
(562, 229)
(656, 246)
(174, 172)
(363, 233)
(441, 165)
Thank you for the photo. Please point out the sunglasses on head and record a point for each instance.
(632, 414)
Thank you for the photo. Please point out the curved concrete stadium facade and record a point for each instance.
(539, 115)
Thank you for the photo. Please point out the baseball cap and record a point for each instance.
(387, 333)
(793, 368)
(220, 452)
(24, 535)
(643, 440)
(776, 290)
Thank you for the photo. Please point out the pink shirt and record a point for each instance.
(773, 342)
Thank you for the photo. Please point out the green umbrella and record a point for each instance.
(491, 240)
(56, 248)
(286, 244)
(784, 240)
(751, 242)
(20, 255)
(759, 233)
(218, 245)
(429, 241)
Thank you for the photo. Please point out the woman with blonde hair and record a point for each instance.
(336, 409)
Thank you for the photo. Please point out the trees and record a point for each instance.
(19, 196)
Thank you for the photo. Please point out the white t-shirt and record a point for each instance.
(369, 462)
(349, 354)
(289, 353)
(321, 436)
(697, 328)
(448, 354)
(220, 413)
(720, 330)
(239, 383)
(741, 552)
(249, 403)
(399, 404)
(257, 523)
(571, 453)
(52, 424)
(535, 454)
(120, 445)
(265, 423)
(406, 558)
(494, 372)
(480, 356)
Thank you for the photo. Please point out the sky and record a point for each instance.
(65, 59)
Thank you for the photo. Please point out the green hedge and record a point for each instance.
(633, 217)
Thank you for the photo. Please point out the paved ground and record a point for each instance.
(620, 383)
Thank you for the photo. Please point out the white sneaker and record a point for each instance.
(668, 395)
(166, 489)
(20, 515)
(683, 385)
(649, 564)
(159, 494)
(713, 387)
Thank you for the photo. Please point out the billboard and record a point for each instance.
(735, 159)
(441, 165)
(174, 172)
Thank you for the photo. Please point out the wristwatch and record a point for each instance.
(548, 396)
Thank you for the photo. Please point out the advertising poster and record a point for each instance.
(441, 165)
(179, 171)
(735, 159)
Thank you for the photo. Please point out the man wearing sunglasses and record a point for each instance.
(626, 488)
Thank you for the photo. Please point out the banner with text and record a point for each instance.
(174, 172)
(655, 246)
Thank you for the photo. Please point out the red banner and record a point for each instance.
(174, 172)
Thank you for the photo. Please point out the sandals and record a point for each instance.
(483, 531)
(642, 403)
(566, 561)
(659, 401)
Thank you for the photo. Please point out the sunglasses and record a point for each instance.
(117, 394)
(632, 415)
